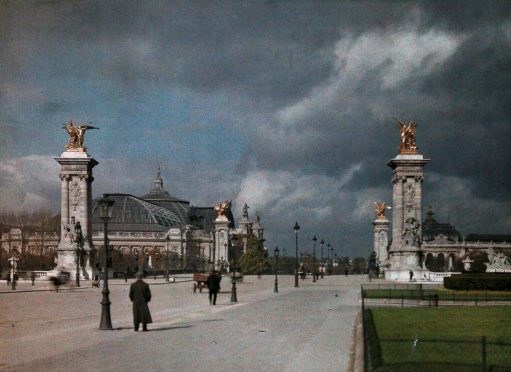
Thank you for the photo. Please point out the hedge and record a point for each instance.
(480, 281)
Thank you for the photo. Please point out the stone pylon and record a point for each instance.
(76, 204)
(381, 239)
(221, 242)
(404, 251)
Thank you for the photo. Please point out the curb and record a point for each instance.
(356, 358)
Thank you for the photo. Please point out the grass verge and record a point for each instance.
(443, 339)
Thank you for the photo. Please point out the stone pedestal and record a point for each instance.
(467, 264)
(76, 204)
(381, 239)
(221, 242)
(406, 216)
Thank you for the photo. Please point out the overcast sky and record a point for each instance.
(285, 105)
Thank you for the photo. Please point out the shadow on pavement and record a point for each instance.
(168, 328)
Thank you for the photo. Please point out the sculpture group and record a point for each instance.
(76, 136)
(222, 208)
(407, 144)
(380, 209)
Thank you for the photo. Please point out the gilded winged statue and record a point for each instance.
(380, 209)
(76, 135)
(407, 144)
(222, 208)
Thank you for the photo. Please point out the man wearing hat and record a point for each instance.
(140, 295)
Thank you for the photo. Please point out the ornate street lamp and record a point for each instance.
(135, 253)
(105, 213)
(330, 253)
(13, 261)
(296, 228)
(167, 241)
(322, 242)
(234, 297)
(276, 288)
(314, 272)
(227, 253)
(79, 237)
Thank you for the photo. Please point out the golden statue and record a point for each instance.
(76, 136)
(380, 210)
(222, 208)
(407, 145)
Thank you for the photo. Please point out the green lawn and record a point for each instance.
(443, 294)
(447, 338)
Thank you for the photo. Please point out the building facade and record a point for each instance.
(153, 232)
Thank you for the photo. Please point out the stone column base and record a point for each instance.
(66, 262)
(404, 275)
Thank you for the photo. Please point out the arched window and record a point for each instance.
(440, 263)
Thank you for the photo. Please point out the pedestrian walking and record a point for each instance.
(140, 295)
(95, 282)
(213, 283)
(8, 279)
(57, 282)
(125, 276)
(346, 272)
(32, 277)
(411, 275)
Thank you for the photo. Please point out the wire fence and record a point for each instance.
(417, 295)
(427, 354)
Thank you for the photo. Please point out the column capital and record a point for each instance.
(65, 177)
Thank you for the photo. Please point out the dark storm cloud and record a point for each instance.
(462, 16)
(269, 51)
(309, 88)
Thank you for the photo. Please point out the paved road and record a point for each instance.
(299, 329)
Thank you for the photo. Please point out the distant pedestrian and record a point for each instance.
(15, 278)
(346, 272)
(140, 295)
(32, 277)
(411, 275)
(8, 279)
(95, 281)
(125, 276)
(213, 283)
(56, 281)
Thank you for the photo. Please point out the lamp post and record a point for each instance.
(322, 242)
(234, 297)
(227, 253)
(276, 288)
(78, 231)
(13, 260)
(329, 270)
(331, 257)
(105, 213)
(167, 240)
(314, 272)
(135, 253)
(296, 228)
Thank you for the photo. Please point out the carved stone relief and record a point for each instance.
(409, 198)
(74, 194)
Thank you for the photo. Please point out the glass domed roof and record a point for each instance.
(159, 196)
(132, 213)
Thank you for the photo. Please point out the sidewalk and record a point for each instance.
(301, 326)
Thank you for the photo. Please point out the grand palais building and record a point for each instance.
(155, 231)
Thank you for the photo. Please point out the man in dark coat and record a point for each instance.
(140, 295)
(213, 283)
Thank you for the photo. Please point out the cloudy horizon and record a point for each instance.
(285, 106)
